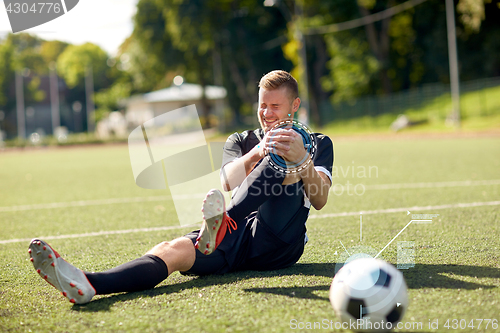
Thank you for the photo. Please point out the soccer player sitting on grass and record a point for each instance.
(263, 227)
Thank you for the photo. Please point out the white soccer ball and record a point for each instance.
(370, 295)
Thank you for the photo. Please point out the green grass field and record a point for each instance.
(456, 275)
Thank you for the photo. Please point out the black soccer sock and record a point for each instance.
(139, 274)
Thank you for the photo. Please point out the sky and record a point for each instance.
(106, 23)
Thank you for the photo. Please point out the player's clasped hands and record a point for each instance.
(286, 143)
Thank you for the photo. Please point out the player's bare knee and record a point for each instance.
(181, 244)
(177, 245)
(160, 249)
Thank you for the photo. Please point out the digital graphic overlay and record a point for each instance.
(310, 145)
(26, 14)
(419, 218)
(170, 151)
(406, 255)
(406, 249)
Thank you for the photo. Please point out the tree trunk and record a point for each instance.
(380, 45)
(241, 87)
(317, 94)
(205, 106)
(251, 85)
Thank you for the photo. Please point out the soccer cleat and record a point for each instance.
(215, 223)
(66, 278)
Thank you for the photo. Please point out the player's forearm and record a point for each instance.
(235, 172)
(315, 186)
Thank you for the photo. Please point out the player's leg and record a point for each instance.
(147, 271)
(271, 238)
(284, 213)
(256, 189)
(253, 191)
(178, 255)
(139, 274)
(278, 231)
(277, 204)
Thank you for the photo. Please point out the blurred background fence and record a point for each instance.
(477, 100)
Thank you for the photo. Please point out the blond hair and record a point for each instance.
(278, 79)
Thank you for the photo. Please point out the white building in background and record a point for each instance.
(113, 125)
(141, 108)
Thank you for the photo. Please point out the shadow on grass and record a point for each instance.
(435, 276)
(420, 276)
(314, 269)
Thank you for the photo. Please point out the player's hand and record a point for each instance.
(262, 149)
(288, 144)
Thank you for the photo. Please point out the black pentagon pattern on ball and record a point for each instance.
(395, 315)
(384, 279)
(353, 307)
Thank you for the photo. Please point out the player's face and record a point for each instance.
(275, 105)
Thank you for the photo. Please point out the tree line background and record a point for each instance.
(233, 43)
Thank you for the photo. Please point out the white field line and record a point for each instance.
(101, 233)
(84, 203)
(379, 211)
(404, 209)
(433, 185)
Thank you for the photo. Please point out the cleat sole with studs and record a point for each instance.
(70, 281)
(213, 209)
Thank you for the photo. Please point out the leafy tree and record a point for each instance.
(20, 53)
(190, 27)
(379, 40)
(108, 100)
(73, 64)
(7, 54)
(471, 14)
(74, 61)
(182, 37)
(24, 41)
(351, 67)
(151, 52)
(340, 63)
(50, 50)
(406, 50)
